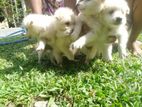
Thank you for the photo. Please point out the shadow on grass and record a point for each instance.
(21, 58)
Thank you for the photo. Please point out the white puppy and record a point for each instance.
(41, 27)
(115, 14)
(103, 23)
(47, 29)
(63, 39)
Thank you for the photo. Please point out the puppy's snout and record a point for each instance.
(71, 31)
(118, 20)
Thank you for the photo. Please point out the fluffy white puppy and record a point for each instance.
(47, 29)
(63, 36)
(88, 12)
(41, 27)
(108, 19)
(115, 15)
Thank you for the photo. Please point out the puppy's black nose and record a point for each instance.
(118, 20)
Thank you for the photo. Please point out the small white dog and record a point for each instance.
(108, 19)
(64, 38)
(115, 15)
(53, 31)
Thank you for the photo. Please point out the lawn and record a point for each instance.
(99, 84)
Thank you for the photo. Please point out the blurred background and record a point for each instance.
(12, 13)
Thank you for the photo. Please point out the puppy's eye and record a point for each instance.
(67, 23)
(111, 11)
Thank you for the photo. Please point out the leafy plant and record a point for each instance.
(13, 11)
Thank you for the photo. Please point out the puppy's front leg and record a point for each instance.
(77, 28)
(90, 53)
(122, 44)
(40, 49)
(57, 55)
(107, 52)
(81, 42)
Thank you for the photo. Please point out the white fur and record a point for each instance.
(53, 31)
(114, 14)
(63, 39)
(102, 24)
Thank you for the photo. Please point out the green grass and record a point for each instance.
(99, 84)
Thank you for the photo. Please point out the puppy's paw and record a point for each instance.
(123, 55)
(107, 58)
(40, 48)
(87, 61)
(75, 46)
(39, 61)
(40, 53)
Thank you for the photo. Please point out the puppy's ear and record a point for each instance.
(126, 10)
(57, 17)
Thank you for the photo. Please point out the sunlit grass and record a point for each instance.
(99, 84)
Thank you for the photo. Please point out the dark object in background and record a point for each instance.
(136, 25)
(1, 15)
